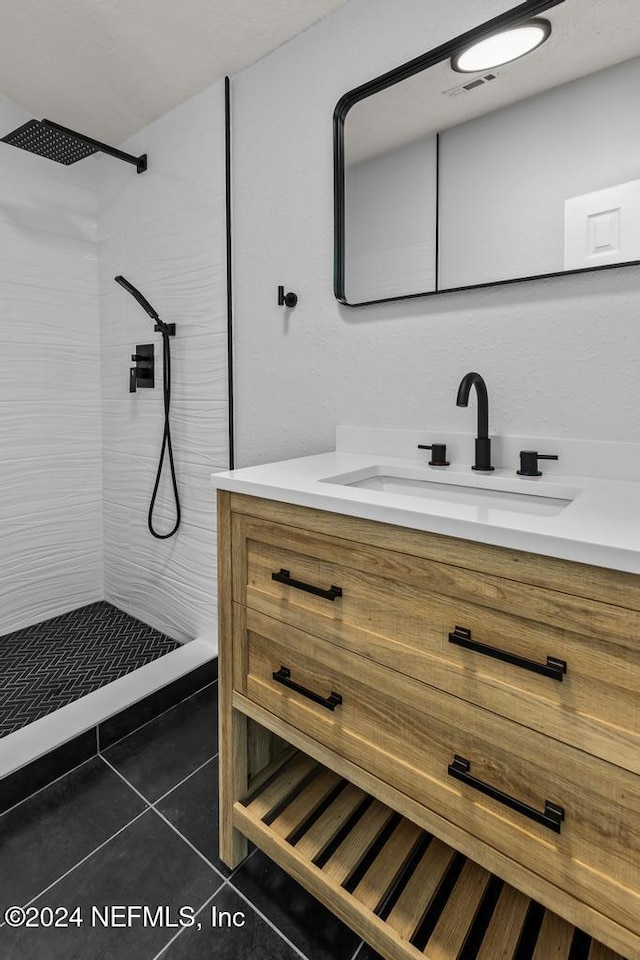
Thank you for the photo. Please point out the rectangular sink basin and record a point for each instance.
(497, 494)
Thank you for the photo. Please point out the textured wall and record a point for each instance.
(50, 442)
(165, 231)
(558, 356)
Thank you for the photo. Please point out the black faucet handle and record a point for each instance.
(438, 453)
(529, 462)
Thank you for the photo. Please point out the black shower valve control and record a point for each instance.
(438, 453)
(529, 462)
(142, 375)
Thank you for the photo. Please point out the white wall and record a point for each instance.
(558, 356)
(50, 429)
(164, 230)
(514, 168)
(390, 222)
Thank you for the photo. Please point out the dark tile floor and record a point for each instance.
(136, 826)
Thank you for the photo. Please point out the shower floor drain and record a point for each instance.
(48, 665)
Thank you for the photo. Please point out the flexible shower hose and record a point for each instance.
(166, 443)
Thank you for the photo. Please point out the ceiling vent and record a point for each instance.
(470, 85)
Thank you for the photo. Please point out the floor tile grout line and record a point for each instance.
(188, 777)
(197, 914)
(87, 857)
(188, 842)
(266, 919)
(158, 715)
(358, 950)
(51, 782)
(152, 806)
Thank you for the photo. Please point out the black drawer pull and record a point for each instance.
(331, 702)
(551, 817)
(330, 594)
(553, 668)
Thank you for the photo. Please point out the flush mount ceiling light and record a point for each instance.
(502, 47)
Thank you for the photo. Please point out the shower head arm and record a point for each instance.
(140, 162)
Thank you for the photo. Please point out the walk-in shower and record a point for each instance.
(86, 654)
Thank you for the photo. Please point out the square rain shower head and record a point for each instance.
(48, 142)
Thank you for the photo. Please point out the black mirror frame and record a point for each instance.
(446, 50)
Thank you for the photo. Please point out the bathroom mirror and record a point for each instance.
(447, 180)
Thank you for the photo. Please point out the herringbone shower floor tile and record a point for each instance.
(47, 665)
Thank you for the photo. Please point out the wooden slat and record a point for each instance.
(554, 939)
(460, 911)
(582, 914)
(384, 870)
(348, 855)
(374, 930)
(307, 801)
(418, 894)
(334, 817)
(503, 933)
(598, 951)
(273, 794)
(256, 782)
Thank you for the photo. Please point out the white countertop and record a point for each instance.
(600, 526)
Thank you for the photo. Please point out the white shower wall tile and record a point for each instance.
(168, 583)
(32, 315)
(49, 371)
(199, 429)
(38, 428)
(174, 607)
(28, 202)
(51, 590)
(39, 485)
(184, 246)
(165, 232)
(55, 554)
(110, 264)
(36, 258)
(130, 483)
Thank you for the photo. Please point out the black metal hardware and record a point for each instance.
(330, 594)
(438, 453)
(553, 668)
(551, 817)
(445, 51)
(331, 702)
(483, 443)
(140, 163)
(529, 462)
(142, 375)
(168, 328)
(286, 299)
(58, 143)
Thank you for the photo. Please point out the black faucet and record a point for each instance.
(483, 443)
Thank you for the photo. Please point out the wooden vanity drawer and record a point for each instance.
(408, 734)
(403, 611)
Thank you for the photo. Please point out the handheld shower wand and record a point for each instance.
(167, 330)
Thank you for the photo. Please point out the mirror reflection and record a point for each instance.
(456, 179)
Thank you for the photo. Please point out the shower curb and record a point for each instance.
(35, 775)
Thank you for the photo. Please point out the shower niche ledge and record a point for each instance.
(437, 737)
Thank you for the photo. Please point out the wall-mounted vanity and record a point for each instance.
(447, 180)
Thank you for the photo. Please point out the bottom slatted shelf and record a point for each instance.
(402, 890)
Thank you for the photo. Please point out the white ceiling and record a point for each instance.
(109, 67)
